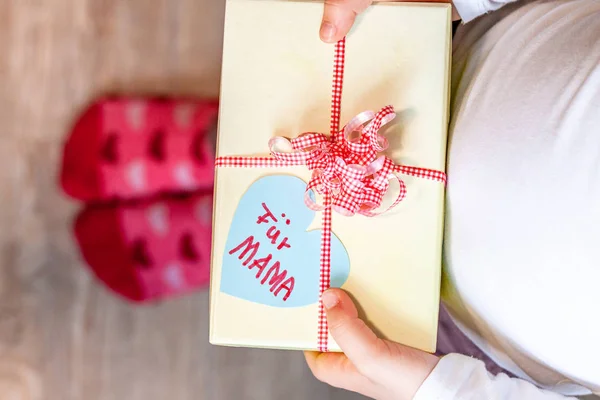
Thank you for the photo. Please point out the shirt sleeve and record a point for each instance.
(465, 378)
(471, 9)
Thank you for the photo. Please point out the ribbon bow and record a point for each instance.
(347, 168)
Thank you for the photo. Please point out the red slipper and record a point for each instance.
(127, 149)
(150, 250)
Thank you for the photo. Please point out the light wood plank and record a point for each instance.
(62, 337)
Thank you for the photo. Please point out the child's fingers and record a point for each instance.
(384, 363)
(338, 17)
(360, 344)
(336, 370)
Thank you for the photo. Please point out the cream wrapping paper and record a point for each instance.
(276, 80)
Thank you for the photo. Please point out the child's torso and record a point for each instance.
(522, 252)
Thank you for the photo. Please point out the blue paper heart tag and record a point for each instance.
(270, 258)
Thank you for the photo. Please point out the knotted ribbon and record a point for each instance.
(348, 172)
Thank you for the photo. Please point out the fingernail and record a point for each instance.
(327, 31)
(330, 300)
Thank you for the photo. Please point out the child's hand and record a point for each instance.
(339, 16)
(371, 366)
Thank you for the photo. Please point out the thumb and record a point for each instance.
(360, 344)
(388, 363)
(338, 17)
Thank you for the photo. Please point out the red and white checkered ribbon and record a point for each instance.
(348, 171)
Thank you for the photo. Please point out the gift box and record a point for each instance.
(355, 199)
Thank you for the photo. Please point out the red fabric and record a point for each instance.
(150, 250)
(101, 242)
(145, 169)
(133, 148)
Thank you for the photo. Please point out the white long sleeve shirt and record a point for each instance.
(471, 9)
(522, 248)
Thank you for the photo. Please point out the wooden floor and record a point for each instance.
(61, 336)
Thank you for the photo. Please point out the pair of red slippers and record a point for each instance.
(145, 169)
